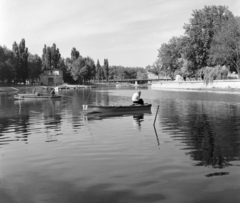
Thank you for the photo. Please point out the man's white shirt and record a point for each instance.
(135, 97)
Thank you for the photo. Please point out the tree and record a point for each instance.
(156, 68)
(204, 24)
(7, 65)
(51, 58)
(90, 69)
(106, 69)
(169, 55)
(65, 66)
(76, 68)
(99, 71)
(21, 55)
(83, 69)
(55, 56)
(34, 67)
(74, 54)
(225, 48)
(142, 74)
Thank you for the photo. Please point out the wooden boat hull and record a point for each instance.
(127, 108)
(35, 96)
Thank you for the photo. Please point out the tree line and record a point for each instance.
(20, 66)
(209, 48)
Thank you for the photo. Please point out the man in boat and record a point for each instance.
(136, 98)
(52, 93)
(35, 92)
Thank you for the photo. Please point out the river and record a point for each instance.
(52, 151)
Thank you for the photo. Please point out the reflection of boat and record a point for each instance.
(104, 115)
(35, 96)
(127, 108)
(118, 114)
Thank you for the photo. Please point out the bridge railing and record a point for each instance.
(142, 80)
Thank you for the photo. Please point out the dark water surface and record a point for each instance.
(51, 151)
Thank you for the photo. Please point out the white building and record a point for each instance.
(52, 77)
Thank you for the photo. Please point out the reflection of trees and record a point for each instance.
(10, 120)
(19, 118)
(211, 133)
(20, 125)
(52, 118)
(207, 142)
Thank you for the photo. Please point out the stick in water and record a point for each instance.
(156, 116)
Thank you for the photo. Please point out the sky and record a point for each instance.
(126, 32)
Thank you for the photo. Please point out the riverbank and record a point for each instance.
(216, 85)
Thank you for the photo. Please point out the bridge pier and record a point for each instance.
(136, 83)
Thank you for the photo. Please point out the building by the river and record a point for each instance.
(52, 77)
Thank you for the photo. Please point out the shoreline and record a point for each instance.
(206, 90)
(228, 86)
(217, 86)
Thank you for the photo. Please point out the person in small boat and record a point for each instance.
(136, 98)
(35, 92)
(52, 93)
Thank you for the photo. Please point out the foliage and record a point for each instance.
(106, 69)
(51, 58)
(169, 55)
(7, 65)
(21, 56)
(120, 72)
(90, 69)
(142, 74)
(34, 67)
(74, 54)
(211, 38)
(208, 74)
(226, 45)
(65, 66)
(156, 68)
(204, 24)
(99, 75)
(83, 69)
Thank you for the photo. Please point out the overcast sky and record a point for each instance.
(126, 32)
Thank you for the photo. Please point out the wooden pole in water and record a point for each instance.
(156, 116)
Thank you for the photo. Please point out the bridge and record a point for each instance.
(136, 80)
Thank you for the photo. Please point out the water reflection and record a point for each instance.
(114, 160)
(210, 134)
(138, 119)
(155, 130)
(217, 174)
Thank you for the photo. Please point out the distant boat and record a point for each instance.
(35, 96)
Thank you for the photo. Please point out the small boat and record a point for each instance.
(122, 108)
(35, 96)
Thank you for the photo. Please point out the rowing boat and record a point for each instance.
(35, 96)
(122, 108)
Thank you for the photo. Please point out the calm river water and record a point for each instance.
(52, 151)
